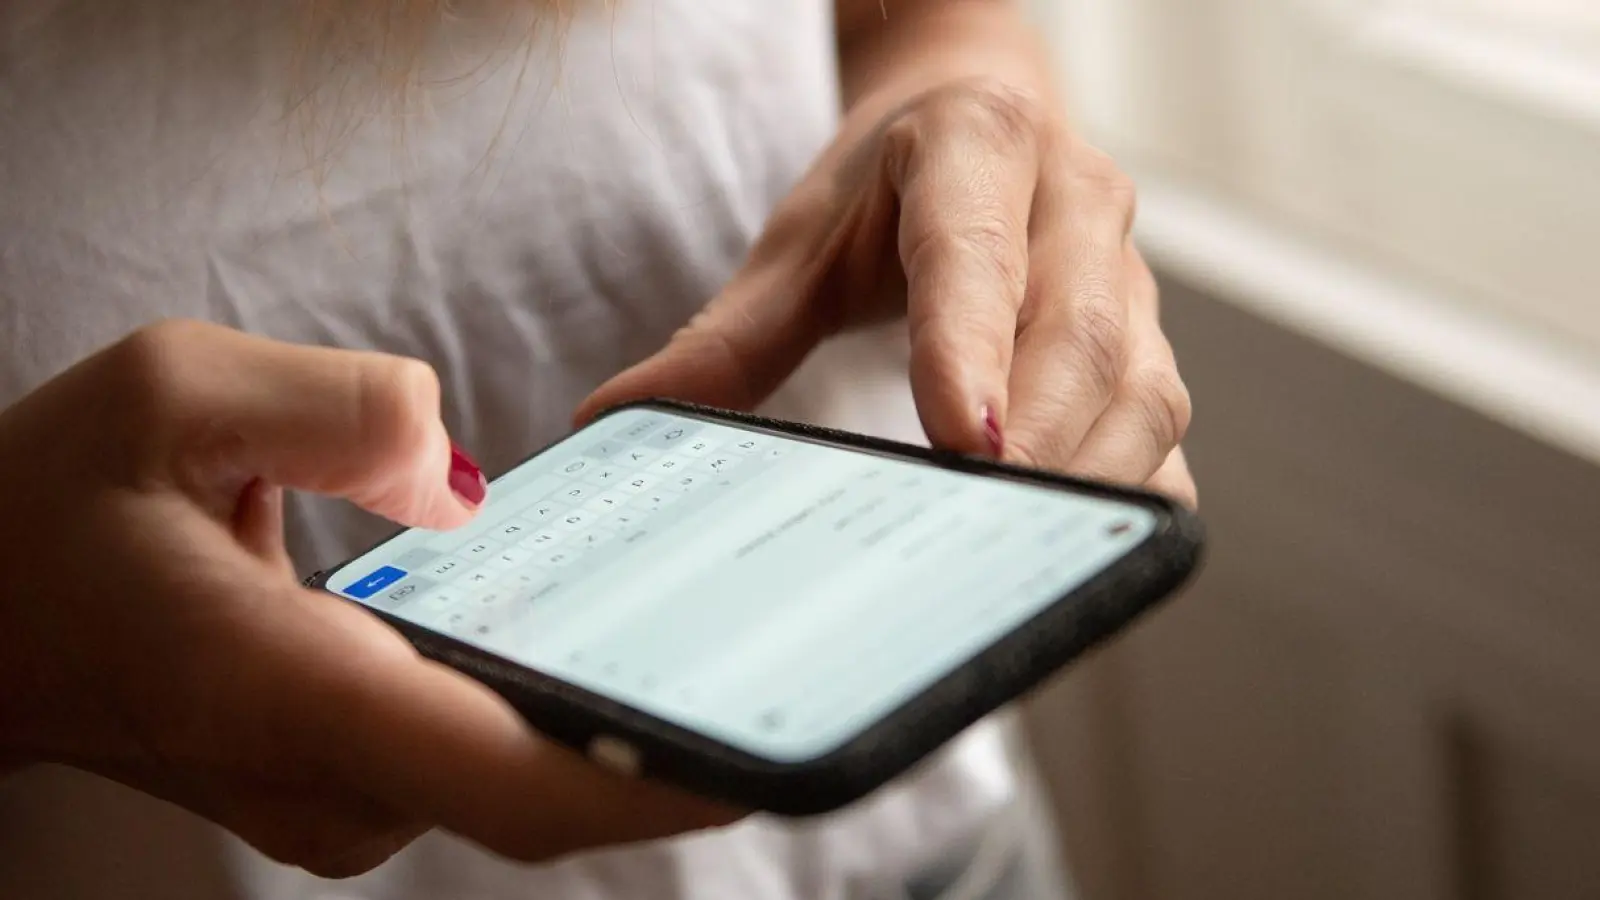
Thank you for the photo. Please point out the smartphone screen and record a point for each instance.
(776, 594)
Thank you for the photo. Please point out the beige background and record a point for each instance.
(1376, 224)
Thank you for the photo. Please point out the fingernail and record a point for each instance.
(466, 478)
(991, 431)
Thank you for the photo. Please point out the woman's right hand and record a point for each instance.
(152, 629)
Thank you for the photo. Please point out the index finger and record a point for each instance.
(966, 183)
(1071, 340)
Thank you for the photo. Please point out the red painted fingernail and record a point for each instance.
(991, 431)
(466, 478)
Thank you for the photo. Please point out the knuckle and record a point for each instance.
(156, 394)
(397, 401)
(1099, 176)
(1099, 168)
(1174, 480)
(746, 384)
(999, 112)
(1020, 449)
(900, 140)
(1100, 337)
(1036, 453)
(986, 242)
(1145, 283)
(155, 363)
(1116, 185)
(1165, 402)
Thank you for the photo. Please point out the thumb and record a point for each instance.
(731, 355)
(362, 426)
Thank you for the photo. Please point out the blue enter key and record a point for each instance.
(374, 582)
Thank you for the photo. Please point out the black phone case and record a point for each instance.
(1004, 672)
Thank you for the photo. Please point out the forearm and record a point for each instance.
(893, 50)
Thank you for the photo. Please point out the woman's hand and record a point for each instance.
(973, 210)
(152, 630)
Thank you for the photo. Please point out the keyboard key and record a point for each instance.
(605, 449)
(416, 559)
(447, 568)
(627, 520)
(492, 623)
(673, 436)
(641, 428)
(479, 550)
(528, 599)
(592, 539)
(636, 457)
(512, 530)
(432, 605)
(699, 446)
(459, 622)
(400, 595)
(576, 468)
(722, 462)
(606, 477)
(576, 493)
(559, 559)
(544, 511)
(657, 499)
(495, 596)
(608, 502)
(574, 520)
(640, 483)
(544, 537)
(524, 580)
(477, 579)
(669, 465)
(747, 445)
(685, 483)
(509, 558)
(373, 583)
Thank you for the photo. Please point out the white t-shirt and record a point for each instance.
(541, 227)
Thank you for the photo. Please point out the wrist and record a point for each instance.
(888, 59)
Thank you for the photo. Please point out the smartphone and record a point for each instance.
(780, 617)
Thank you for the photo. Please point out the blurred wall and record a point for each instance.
(1446, 148)
(1386, 683)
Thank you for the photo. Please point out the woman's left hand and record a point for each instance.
(977, 213)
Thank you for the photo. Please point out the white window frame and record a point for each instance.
(1417, 186)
